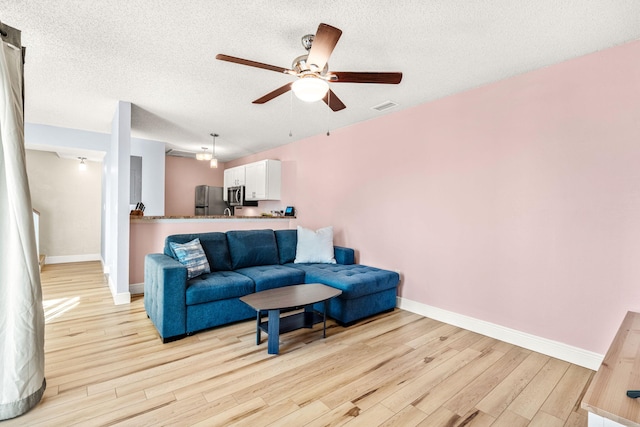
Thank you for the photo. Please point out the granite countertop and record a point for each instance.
(200, 217)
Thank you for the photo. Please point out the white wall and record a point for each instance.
(153, 167)
(48, 138)
(116, 211)
(69, 204)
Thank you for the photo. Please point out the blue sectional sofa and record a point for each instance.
(243, 262)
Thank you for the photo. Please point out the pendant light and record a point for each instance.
(214, 161)
(82, 166)
(204, 155)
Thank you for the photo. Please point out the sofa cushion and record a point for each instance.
(273, 276)
(249, 248)
(354, 280)
(192, 256)
(287, 241)
(214, 245)
(315, 246)
(218, 285)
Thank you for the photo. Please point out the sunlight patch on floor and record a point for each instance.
(57, 307)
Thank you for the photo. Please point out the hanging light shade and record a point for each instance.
(214, 161)
(203, 155)
(310, 88)
(82, 166)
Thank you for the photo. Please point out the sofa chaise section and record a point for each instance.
(365, 290)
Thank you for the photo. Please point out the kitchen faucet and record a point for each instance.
(227, 210)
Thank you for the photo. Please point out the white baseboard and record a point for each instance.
(546, 346)
(63, 259)
(136, 288)
(105, 267)
(122, 298)
(119, 298)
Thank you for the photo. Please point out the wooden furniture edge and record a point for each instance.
(608, 383)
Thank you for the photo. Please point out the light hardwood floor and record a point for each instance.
(105, 365)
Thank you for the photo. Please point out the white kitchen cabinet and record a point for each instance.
(233, 177)
(263, 180)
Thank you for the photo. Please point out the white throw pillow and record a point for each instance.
(315, 246)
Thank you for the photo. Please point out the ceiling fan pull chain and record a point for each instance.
(328, 105)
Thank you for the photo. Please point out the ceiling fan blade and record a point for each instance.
(324, 41)
(333, 101)
(241, 61)
(364, 77)
(273, 94)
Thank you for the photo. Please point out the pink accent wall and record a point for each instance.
(181, 177)
(517, 203)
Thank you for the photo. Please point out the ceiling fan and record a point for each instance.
(312, 71)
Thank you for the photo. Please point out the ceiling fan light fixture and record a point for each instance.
(310, 88)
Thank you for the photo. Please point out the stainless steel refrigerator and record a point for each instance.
(209, 201)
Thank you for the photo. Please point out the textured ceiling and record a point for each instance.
(84, 56)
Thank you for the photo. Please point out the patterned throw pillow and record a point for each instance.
(192, 256)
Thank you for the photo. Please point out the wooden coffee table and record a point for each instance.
(289, 297)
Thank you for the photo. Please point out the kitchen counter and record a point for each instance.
(205, 218)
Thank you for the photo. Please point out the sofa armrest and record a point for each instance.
(345, 256)
(165, 300)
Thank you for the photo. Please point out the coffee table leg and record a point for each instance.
(258, 334)
(324, 319)
(273, 330)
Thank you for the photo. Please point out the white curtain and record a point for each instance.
(22, 381)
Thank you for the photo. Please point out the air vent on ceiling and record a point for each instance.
(385, 106)
(178, 153)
